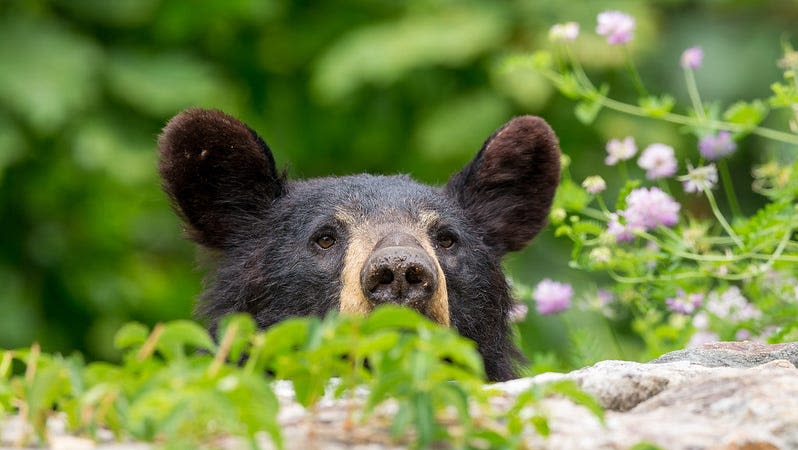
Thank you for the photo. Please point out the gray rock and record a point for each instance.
(734, 354)
(700, 408)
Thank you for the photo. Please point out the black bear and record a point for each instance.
(299, 247)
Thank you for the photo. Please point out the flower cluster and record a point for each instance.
(685, 304)
(616, 26)
(732, 306)
(564, 32)
(620, 150)
(646, 209)
(659, 161)
(552, 297)
(716, 146)
(699, 179)
(594, 184)
(692, 58)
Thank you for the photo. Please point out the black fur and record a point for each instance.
(264, 227)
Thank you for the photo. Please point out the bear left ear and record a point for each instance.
(509, 186)
(218, 172)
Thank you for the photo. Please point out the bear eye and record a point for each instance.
(446, 240)
(325, 241)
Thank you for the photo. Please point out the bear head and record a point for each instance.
(286, 248)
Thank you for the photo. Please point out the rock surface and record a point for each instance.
(721, 396)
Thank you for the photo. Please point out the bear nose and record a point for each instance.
(403, 275)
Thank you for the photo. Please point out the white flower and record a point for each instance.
(618, 150)
(699, 179)
(594, 184)
(564, 32)
(616, 26)
(658, 160)
(692, 58)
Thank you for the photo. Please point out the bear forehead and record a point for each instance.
(368, 197)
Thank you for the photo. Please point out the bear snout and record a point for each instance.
(403, 274)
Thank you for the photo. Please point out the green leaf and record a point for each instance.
(424, 415)
(181, 335)
(391, 317)
(569, 86)
(571, 196)
(256, 406)
(132, 334)
(747, 114)
(379, 342)
(541, 424)
(50, 384)
(284, 338)
(401, 420)
(643, 445)
(563, 230)
(587, 110)
(454, 395)
(494, 440)
(243, 328)
(657, 106)
(588, 227)
(784, 95)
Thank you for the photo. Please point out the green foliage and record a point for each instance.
(720, 275)
(747, 114)
(176, 386)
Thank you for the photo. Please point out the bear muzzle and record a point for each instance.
(399, 271)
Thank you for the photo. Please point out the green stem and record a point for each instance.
(602, 205)
(681, 119)
(677, 277)
(718, 215)
(782, 245)
(728, 188)
(595, 214)
(722, 258)
(636, 79)
(624, 170)
(578, 70)
(692, 91)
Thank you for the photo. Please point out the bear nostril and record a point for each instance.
(414, 275)
(385, 275)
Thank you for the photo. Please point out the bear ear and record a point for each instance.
(219, 174)
(509, 186)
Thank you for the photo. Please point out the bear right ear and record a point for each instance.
(218, 172)
(509, 186)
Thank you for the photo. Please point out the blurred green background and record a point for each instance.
(87, 239)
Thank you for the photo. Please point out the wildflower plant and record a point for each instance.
(683, 275)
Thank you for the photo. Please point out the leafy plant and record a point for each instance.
(178, 387)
